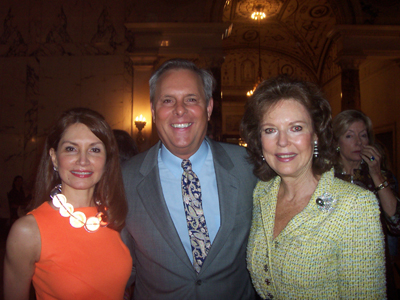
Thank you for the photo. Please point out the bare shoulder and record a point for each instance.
(22, 252)
(24, 238)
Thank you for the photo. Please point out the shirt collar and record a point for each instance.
(173, 163)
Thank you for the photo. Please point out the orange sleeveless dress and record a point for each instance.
(76, 264)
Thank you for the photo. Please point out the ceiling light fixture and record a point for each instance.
(258, 15)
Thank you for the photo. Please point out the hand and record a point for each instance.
(372, 157)
(386, 196)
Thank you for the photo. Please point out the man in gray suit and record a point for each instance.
(156, 229)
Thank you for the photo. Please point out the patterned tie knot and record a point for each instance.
(186, 165)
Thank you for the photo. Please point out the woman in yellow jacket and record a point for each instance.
(313, 236)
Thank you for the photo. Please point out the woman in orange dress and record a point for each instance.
(69, 245)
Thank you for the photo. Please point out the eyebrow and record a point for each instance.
(75, 144)
(172, 96)
(355, 132)
(291, 123)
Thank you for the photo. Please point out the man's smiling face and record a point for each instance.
(180, 111)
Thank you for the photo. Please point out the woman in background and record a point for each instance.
(313, 236)
(16, 198)
(358, 160)
(69, 246)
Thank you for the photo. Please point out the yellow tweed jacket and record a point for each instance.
(322, 253)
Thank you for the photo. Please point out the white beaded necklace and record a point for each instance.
(77, 219)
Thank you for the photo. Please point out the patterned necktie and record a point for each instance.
(198, 232)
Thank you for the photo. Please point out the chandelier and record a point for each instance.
(258, 15)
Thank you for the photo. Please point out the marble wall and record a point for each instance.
(380, 100)
(55, 55)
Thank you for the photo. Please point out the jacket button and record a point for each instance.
(266, 268)
(270, 296)
(267, 281)
(198, 282)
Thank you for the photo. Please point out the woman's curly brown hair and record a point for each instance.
(268, 94)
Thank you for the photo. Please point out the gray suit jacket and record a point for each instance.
(161, 267)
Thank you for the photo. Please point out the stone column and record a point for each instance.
(350, 83)
(355, 43)
(214, 64)
(31, 122)
(215, 132)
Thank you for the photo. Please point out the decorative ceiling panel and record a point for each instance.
(295, 28)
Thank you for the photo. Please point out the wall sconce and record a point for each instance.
(242, 143)
(140, 122)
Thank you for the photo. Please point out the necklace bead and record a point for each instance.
(77, 219)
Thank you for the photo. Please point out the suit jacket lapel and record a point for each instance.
(151, 195)
(227, 185)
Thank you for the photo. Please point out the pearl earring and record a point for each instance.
(316, 149)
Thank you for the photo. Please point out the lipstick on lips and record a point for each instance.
(82, 174)
(285, 157)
